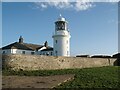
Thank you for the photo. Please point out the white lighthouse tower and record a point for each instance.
(61, 38)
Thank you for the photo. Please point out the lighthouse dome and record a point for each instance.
(61, 18)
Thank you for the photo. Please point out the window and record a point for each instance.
(56, 41)
(47, 54)
(23, 52)
(56, 53)
(32, 53)
(51, 53)
(67, 41)
(3, 52)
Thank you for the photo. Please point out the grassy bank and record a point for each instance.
(102, 77)
(105, 77)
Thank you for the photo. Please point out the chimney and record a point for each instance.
(46, 44)
(20, 39)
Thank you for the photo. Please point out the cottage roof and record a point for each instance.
(23, 46)
(116, 55)
(48, 49)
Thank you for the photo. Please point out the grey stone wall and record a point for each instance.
(37, 62)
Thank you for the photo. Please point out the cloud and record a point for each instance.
(83, 5)
(43, 5)
(58, 0)
(78, 5)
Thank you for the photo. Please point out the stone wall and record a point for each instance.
(37, 62)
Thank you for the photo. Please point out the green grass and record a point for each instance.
(101, 77)
(105, 77)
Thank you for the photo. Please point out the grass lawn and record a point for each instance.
(98, 77)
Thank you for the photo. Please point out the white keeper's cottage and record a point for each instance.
(27, 48)
(61, 43)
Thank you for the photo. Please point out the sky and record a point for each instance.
(93, 26)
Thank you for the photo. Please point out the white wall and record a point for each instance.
(46, 53)
(63, 43)
(7, 51)
(28, 52)
(15, 51)
(39, 52)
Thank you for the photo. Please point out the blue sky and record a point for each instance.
(93, 28)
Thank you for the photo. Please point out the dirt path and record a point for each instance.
(34, 81)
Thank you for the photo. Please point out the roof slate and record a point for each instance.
(23, 46)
